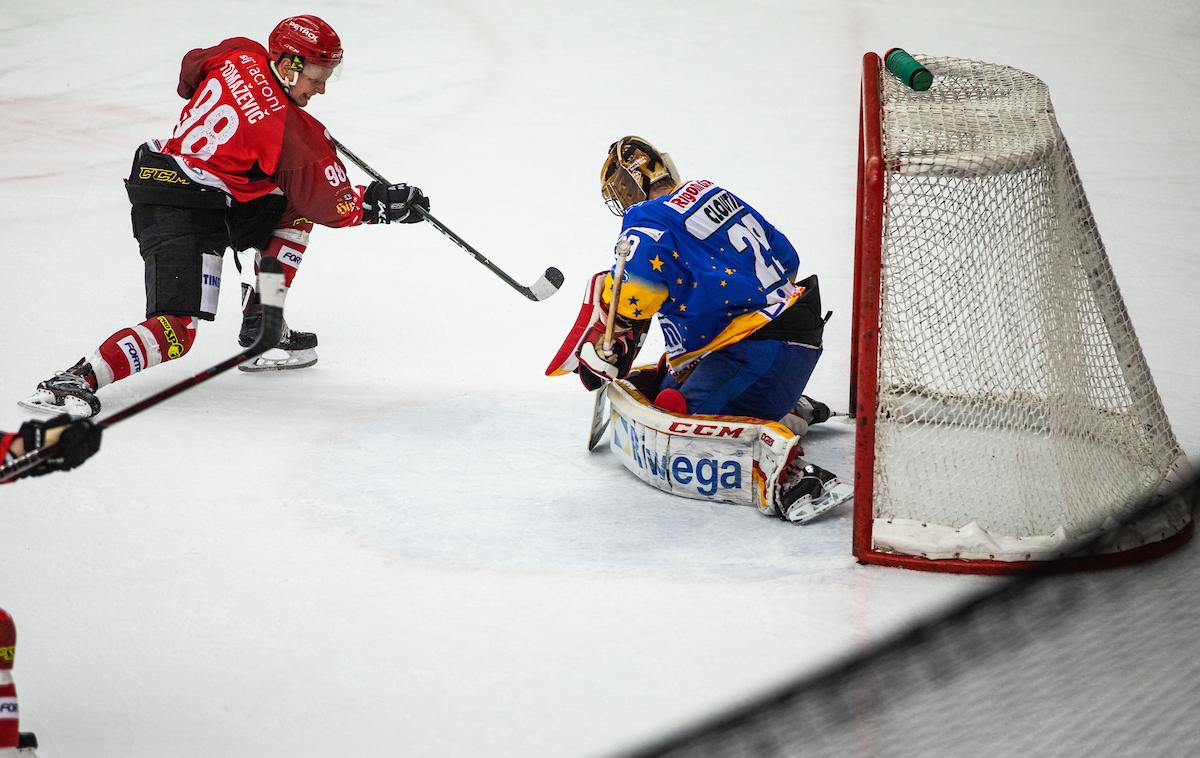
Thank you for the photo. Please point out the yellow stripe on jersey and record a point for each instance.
(738, 329)
(640, 299)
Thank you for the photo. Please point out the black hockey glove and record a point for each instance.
(393, 203)
(77, 441)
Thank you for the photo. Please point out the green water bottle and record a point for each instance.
(907, 69)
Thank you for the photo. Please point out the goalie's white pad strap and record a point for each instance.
(731, 459)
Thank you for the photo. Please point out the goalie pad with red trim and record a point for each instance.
(589, 328)
(732, 459)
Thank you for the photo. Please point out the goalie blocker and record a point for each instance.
(732, 459)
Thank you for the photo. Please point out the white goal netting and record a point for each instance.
(1015, 408)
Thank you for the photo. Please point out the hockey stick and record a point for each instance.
(600, 419)
(544, 287)
(272, 291)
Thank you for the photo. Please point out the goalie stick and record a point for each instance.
(546, 285)
(600, 412)
(271, 287)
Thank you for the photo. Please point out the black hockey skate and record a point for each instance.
(806, 491)
(806, 413)
(67, 392)
(294, 349)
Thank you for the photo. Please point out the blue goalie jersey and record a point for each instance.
(711, 267)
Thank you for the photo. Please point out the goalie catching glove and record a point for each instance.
(393, 203)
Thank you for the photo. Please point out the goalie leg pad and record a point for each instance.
(714, 458)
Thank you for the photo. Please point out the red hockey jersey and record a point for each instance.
(240, 133)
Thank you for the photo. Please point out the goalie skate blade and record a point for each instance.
(276, 359)
(76, 409)
(808, 508)
(600, 417)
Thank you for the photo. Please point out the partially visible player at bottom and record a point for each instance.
(12, 740)
(245, 167)
(77, 441)
(742, 335)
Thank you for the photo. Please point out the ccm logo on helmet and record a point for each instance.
(704, 430)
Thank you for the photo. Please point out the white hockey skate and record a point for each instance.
(809, 492)
(65, 392)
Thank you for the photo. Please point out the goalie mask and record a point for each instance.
(632, 166)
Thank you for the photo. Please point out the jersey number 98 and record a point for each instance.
(201, 139)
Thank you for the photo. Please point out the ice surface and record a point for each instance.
(407, 550)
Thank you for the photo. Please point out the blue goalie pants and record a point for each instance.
(757, 378)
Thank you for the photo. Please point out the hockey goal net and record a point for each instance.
(1005, 411)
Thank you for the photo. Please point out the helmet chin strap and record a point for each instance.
(287, 85)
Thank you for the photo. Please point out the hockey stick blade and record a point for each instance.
(271, 287)
(543, 288)
(547, 285)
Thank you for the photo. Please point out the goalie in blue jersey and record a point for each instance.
(742, 334)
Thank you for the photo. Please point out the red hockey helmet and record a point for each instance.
(306, 37)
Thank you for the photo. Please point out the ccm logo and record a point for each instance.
(768, 441)
(704, 430)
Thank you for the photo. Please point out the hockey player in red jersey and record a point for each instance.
(245, 167)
